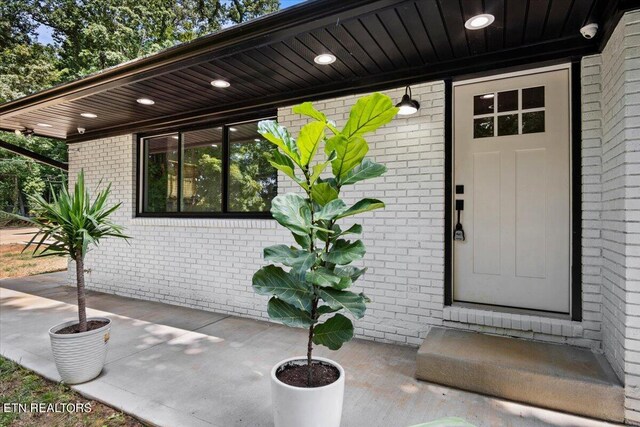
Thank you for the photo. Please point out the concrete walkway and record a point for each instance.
(10, 235)
(174, 366)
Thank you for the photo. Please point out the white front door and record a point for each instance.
(512, 169)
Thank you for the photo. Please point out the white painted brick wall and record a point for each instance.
(611, 131)
(208, 263)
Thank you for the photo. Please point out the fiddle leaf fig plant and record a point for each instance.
(312, 287)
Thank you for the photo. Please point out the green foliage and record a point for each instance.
(320, 275)
(21, 178)
(72, 222)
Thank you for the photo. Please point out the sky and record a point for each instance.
(44, 32)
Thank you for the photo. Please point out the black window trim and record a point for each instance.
(140, 178)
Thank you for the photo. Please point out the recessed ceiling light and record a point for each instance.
(89, 115)
(324, 59)
(233, 129)
(43, 125)
(214, 145)
(488, 96)
(175, 137)
(257, 140)
(479, 21)
(220, 83)
(145, 101)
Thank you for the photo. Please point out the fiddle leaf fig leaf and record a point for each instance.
(354, 229)
(365, 170)
(344, 300)
(331, 210)
(289, 256)
(284, 164)
(279, 136)
(307, 109)
(323, 193)
(320, 167)
(325, 309)
(274, 281)
(350, 271)
(344, 252)
(309, 140)
(363, 205)
(287, 314)
(326, 278)
(336, 331)
(292, 211)
(369, 113)
(349, 153)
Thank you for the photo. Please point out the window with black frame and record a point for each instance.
(215, 171)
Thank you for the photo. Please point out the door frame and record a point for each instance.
(575, 131)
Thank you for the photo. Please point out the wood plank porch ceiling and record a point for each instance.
(269, 61)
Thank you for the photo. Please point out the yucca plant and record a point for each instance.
(69, 225)
(316, 287)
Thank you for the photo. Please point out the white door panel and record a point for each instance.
(512, 154)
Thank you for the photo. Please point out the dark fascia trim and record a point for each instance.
(258, 32)
(557, 50)
(576, 193)
(34, 156)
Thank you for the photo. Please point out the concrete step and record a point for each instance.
(553, 376)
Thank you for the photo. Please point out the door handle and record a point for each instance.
(458, 233)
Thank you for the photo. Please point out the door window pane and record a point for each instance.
(508, 125)
(533, 97)
(533, 122)
(202, 170)
(507, 101)
(252, 179)
(483, 127)
(161, 174)
(483, 104)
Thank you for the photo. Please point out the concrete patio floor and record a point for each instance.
(174, 366)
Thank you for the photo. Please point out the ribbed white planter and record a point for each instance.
(80, 357)
(307, 407)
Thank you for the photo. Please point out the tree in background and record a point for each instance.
(89, 36)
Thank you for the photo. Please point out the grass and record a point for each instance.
(21, 386)
(15, 263)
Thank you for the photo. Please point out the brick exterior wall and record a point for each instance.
(620, 181)
(208, 263)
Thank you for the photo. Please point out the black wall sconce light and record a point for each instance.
(407, 105)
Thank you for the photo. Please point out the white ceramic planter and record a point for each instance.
(307, 407)
(80, 357)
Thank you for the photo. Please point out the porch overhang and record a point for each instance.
(269, 61)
